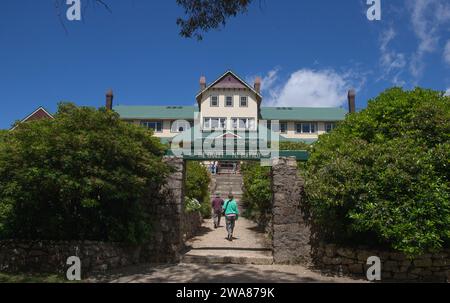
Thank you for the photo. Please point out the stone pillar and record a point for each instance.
(291, 234)
(167, 234)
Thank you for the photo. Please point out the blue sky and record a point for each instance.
(308, 52)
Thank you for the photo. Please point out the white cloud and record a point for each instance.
(427, 17)
(447, 93)
(391, 61)
(447, 52)
(310, 88)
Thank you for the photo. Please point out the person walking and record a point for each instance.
(217, 205)
(231, 211)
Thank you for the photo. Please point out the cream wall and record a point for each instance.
(251, 111)
(167, 124)
(291, 133)
(166, 128)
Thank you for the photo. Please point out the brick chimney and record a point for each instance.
(257, 85)
(202, 83)
(109, 99)
(351, 101)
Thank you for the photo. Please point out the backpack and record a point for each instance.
(225, 208)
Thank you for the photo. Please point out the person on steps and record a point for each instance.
(217, 205)
(231, 212)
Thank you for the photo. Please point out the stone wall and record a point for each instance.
(171, 226)
(167, 234)
(192, 222)
(51, 257)
(394, 266)
(290, 231)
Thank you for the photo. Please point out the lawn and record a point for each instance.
(32, 278)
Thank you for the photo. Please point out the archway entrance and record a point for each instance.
(290, 236)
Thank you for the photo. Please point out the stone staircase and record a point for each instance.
(226, 183)
(250, 245)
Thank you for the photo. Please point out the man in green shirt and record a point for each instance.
(231, 211)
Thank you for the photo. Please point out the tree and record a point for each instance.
(204, 15)
(197, 186)
(201, 15)
(382, 176)
(85, 175)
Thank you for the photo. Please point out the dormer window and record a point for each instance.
(229, 101)
(214, 101)
(244, 102)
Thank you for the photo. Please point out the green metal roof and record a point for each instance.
(156, 112)
(303, 113)
(267, 113)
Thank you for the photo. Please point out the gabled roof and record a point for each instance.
(156, 112)
(303, 113)
(39, 113)
(228, 73)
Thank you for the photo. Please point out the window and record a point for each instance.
(306, 128)
(214, 101)
(229, 101)
(329, 127)
(243, 123)
(180, 126)
(283, 127)
(155, 125)
(244, 102)
(214, 123)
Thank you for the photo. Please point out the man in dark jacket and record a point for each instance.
(217, 204)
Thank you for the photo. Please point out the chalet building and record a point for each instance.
(39, 113)
(230, 104)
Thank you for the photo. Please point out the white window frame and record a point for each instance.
(147, 123)
(332, 124)
(211, 101)
(311, 126)
(232, 101)
(242, 98)
(221, 121)
(235, 123)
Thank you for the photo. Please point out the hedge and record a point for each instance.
(382, 177)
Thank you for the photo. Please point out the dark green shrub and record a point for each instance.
(83, 176)
(382, 176)
(197, 186)
(257, 193)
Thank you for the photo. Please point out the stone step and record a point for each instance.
(215, 256)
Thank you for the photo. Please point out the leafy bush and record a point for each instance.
(192, 205)
(257, 193)
(197, 186)
(82, 176)
(382, 176)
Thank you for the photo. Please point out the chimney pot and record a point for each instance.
(202, 83)
(351, 101)
(109, 99)
(257, 85)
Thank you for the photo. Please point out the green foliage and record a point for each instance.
(257, 195)
(203, 16)
(82, 176)
(192, 205)
(3, 134)
(197, 186)
(382, 176)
